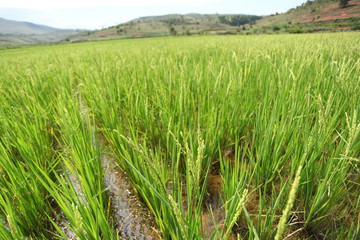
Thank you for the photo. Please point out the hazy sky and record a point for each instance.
(96, 14)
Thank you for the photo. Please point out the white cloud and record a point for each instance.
(46, 4)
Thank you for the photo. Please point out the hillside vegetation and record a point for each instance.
(318, 15)
(311, 16)
(173, 24)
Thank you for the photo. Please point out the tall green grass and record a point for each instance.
(249, 110)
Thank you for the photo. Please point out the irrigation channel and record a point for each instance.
(131, 218)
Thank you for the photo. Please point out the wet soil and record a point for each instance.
(60, 219)
(6, 225)
(63, 223)
(213, 208)
(131, 218)
(213, 213)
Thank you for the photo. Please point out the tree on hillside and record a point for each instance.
(172, 31)
(343, 3)
(239, 20)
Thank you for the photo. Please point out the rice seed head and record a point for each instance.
(322, 122)
(354, 130)
(178, 216)
(199, 158)
(328, 103)
(289, 205)
(238, 211)
(13, 229)
(78, 220)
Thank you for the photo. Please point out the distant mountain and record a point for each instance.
(14, 33)
(10, 27)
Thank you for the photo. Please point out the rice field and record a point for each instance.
(212, 137)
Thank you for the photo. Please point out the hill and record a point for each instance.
(172, 24)
(14, 33)
(311, 16)
(318, 15)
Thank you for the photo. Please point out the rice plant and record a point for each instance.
(220, 137)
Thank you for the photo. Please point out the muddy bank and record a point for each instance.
(63, 223)
(5, 224)
(131, 218)
(212, 209)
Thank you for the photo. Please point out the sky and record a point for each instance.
(97, 14)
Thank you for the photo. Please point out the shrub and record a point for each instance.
(343, 3)
(356, 27)
(295, 30)
(276, 28)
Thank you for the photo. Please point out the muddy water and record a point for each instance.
(63, 223)
(132, 219)
(212, 206)
(60, 219)
(213, 210)
(5, 224)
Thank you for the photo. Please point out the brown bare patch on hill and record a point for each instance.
(315, 13)
(333, 12)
